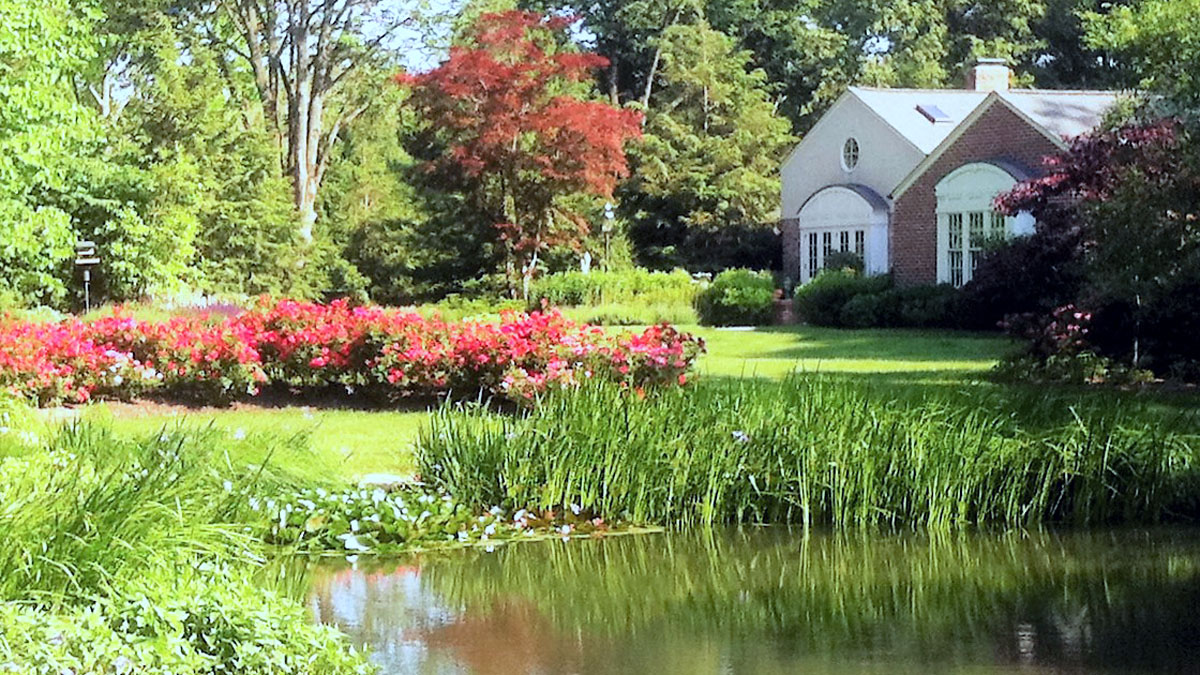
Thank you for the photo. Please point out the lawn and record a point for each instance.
(352, 443)
(355, 442)
(914, 354)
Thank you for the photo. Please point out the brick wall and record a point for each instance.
(791, 249)
(998, 134)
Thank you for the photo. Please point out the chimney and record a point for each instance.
(989, 75)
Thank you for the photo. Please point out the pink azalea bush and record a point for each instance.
(303, 345)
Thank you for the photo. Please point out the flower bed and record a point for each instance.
(313, 346)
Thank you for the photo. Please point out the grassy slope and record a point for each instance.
(358, 442)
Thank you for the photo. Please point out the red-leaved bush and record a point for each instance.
(309, 346)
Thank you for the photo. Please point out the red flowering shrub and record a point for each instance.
(54, 362)
(213, 361)
(311, 346)
(305, 344)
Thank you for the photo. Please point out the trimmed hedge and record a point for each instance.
(841, 298)
(576, 289)
(738, 298)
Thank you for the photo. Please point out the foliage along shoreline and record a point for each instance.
(820, 452)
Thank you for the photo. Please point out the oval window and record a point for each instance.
(850, 154)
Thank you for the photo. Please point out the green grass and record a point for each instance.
(915, 354)
(144, 551)
(351, 443)
(346, 444)
(828, 451)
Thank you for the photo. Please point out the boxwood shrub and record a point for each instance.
(842, 298)
(738, 298)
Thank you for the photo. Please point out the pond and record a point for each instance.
(772, 600)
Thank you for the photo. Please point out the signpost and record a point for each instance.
(86, 258)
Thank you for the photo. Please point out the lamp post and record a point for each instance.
(86, 259)
(607, 229)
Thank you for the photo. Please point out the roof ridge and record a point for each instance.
(1015, 90)
(918, 89)
(1085, 92)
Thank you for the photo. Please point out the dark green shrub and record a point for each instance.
(922, 307)
(845, 260)
(821, 301)
(841, 298)
(738, 298)
(867, 311)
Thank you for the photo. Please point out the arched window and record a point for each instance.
(966, 219)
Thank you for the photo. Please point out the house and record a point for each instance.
(906, 178)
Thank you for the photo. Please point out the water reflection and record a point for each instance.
(773, 601)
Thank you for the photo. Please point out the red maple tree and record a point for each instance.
(513, 111)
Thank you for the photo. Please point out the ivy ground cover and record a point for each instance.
(364, 350)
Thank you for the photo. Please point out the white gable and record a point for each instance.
(884, 155)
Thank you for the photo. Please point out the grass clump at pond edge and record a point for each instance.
(138, 556)
(818, 451)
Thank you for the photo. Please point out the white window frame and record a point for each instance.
(966, 219)
(851, 147)
(837, 209)
(817, 245)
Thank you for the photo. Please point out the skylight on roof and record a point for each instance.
(933, 113)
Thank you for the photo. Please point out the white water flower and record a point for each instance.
(576, 509)
(354, 525)
(490, 530)
(352, 543)
(228, 486)
(239, 434)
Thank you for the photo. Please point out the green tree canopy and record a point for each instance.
(43, 46)
(713, 141)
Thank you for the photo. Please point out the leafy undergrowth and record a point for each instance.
(375, 520)
(128, 556)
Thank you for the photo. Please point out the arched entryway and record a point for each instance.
(843, 218)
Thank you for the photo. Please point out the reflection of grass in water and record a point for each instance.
(904, 593)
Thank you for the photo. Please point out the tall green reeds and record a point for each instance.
(139, 556)
(817, 451)
(93, 510)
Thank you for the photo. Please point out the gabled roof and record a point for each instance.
(1066, 114)
(899, 108)
(1060, 114)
